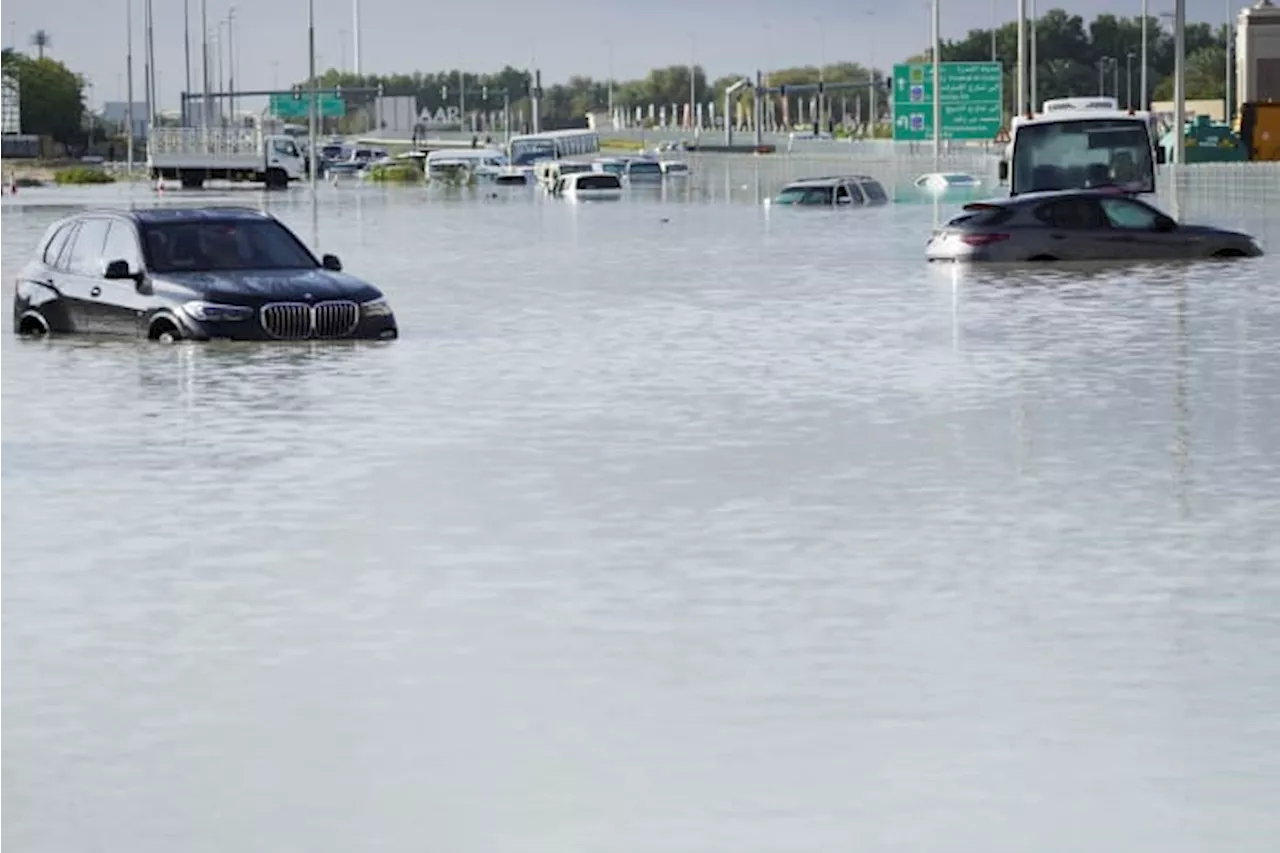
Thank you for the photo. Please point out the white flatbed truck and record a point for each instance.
(193, 155)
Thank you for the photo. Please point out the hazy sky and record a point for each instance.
(561, 38)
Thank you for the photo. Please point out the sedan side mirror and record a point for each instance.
(331, 263)
(117, 270)
(1165, 224)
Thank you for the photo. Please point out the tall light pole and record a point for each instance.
(231, 63)
(205, 104)
(1179, 82)
(128, 74)
(311, 106)
(186, 57)
(1034, 60)
(221, 80)
(1020, 105)
(1143, 71)
(1228, 72)
(151, 66)
(146, 58)
(355, 35)
(1128, 80)
(692, 93)
(937, 86)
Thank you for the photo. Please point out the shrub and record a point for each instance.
(81, 175)
(395, 173)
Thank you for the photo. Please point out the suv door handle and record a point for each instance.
(96, 291)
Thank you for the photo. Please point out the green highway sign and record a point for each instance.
(329, 105)
(972, 100)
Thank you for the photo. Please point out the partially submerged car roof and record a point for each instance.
(211, 213)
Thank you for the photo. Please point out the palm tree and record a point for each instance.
(40, 40)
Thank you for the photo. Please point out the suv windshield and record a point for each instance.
(211, 246)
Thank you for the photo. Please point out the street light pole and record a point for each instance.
(311, 106)
(937, 86)
(1143, 71)
(206, 106)
(128, 74)
(186, 56)
(1128, 80)
(231, 63)
(1228, 72)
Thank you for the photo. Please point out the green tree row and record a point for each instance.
(50, 96)
(1069, 55)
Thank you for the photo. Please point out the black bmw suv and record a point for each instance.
(191, 273)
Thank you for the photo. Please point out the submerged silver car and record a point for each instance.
(834, 191)
(1078, 225)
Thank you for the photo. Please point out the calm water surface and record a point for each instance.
(667, 526)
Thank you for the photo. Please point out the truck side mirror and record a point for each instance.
(1161, 157)
(1004, 170)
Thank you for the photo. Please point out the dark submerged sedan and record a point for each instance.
(192, 273)
(1078, 225)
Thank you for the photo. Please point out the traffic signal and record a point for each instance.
(379, 90)
(444, 93)
(337, 91)
(484, 93)
(297, 93)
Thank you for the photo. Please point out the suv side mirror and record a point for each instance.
(1166, 224)
(331, 263)
(117, 269)
(1161, 157)
(1004, 170)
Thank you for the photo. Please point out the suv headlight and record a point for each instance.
(213, 312)
(376, 308)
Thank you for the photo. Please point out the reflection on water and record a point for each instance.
(665, 523)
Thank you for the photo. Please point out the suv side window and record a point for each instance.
(56, 242)
(1072, 213)
(63, 259)
(86, 251)
(1129, 215)
(122, 245)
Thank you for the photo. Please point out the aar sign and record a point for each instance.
(443, 117)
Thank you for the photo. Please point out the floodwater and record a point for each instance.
(668, 525)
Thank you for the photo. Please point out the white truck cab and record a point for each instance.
(1081, 143)
(194, 155)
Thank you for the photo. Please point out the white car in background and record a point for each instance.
(941, 182)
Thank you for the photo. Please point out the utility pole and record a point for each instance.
(1020, 106)
(1229, 71)
(231, 63)
(311, 107)
(355, 35)
(1143, 71)
(151, 68)
(128, 73)
(146, 60)
(937, 86)
(186, 56)
(205, 104)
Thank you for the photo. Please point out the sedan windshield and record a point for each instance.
(211, 246)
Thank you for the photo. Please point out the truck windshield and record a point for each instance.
(217, 245)
(1083, 153)
(526, 151)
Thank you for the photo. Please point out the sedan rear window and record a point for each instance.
(983, 216)
(211, 246)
